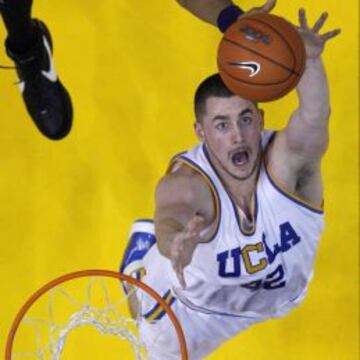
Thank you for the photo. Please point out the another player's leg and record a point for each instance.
(29, 45)
(141, 239)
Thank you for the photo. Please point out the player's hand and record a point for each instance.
(313, 41)
(183, 246)
(266, 8)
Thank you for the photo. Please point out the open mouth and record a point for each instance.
(240, 157)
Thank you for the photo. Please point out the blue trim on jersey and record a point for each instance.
(271, 138)
(217, 194)
(177, 156)
(157, 312)
(237, 216)
(291, 198)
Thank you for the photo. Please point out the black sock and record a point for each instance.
(17, 18)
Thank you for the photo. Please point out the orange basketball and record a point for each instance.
(261, 57)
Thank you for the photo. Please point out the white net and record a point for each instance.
(64, 310)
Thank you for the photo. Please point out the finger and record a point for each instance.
(320, 22)
(302, 19)
(175, 252)
(177, 246)
(195, 224)
(181, 278)
(268, 6)
(175, 262)
(179, 271)
(299, 29)
(330, 34)
(175, 265)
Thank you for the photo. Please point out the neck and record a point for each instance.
(241, 191)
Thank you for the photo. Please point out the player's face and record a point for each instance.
(231, 129)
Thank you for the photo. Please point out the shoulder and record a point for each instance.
(184, 184)
(185, 188)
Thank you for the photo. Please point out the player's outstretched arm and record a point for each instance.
(209, 10)
(312, 90)
(305, 138)
(179, 218)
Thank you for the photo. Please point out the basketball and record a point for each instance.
(261, 57)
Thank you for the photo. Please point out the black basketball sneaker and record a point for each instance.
(46, 99)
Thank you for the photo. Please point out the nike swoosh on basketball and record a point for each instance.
(253, 66)
(51, 74)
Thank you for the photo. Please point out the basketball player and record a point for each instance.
(29, 45)
(238, 217)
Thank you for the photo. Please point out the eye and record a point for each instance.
(246, 120)
(221, 126)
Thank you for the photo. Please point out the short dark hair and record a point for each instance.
(211, 86)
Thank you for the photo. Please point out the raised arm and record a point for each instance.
(209, 10)
(307, 130)
(183, 210)
(298, 149)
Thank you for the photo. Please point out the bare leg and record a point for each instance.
(133, 304)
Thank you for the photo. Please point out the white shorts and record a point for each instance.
(204, 332)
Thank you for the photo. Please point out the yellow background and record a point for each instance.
(132, 67)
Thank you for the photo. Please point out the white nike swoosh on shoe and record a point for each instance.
(22, 86)
(51, 74)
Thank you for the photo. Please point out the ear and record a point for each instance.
(199, 130)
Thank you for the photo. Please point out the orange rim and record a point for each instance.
(85, 273)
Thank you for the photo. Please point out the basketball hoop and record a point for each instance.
(106, 319)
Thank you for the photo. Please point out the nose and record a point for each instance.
(236, 136)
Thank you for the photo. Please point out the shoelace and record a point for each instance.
(4, 67)
(7, 67)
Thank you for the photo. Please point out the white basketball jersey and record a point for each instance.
(253, 274)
